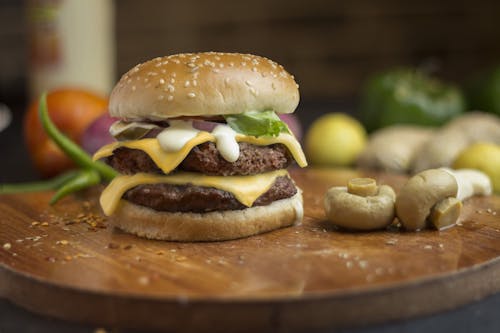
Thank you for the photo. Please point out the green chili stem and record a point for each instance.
(71, 149)
(83, 179)
(43, 185)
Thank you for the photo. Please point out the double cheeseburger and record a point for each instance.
(201, 152)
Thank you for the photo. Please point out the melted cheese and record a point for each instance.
(246, 189)
(168, 161)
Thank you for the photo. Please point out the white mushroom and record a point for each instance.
(436, 195)
(362, 205)
(420, 194)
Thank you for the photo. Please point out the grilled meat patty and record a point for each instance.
(205, 159)
(190, 198)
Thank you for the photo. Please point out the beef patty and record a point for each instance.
(197, 199)
(206, 159)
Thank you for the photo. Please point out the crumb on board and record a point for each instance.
(113, 246)
(7, 246)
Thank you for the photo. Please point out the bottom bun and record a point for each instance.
(212, 226)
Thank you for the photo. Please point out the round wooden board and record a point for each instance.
(65, 261)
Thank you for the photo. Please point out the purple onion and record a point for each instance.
(293, 123)
(97, 134)
(204, 125)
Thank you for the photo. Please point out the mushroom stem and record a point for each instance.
(470, 182)
(361, 211)
(363, 187)
(445, 213)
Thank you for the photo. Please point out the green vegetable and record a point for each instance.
(90, 174)
(257, 123)
(46, 185)
(408, 96)
(77, 154)
(484, 93)
(84, 179)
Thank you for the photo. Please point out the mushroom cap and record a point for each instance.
(351, 211)
(421, 193)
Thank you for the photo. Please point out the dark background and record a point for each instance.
(330, 47)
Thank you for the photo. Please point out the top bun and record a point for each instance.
(203, 84)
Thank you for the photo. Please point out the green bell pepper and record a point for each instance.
(484, 93)
(408, 96)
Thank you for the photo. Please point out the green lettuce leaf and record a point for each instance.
(257, 123)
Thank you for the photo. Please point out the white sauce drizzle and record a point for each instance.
(225, 140)
(174, 137)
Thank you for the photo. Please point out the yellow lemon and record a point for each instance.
(484, 157)
(335, 139)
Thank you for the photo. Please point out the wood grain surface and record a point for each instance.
(66, 261)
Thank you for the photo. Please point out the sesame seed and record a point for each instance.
(243, 63)
(7, 246)
(162, 81)
(215, 70)
(174, 74)
(186, 84)
(176, 61)
(226, 80)
(165, 62)
(247, 58)
(129, 80)
(273, 65)
(163, 71)
(191, 65)
(191, 95)
(254, 92)
(248, 83)
(221, 65)
(172, 80)
(231, 64)
(146, 80)
(254, 69)
(273, 86)
(133, 88)
(195, 83)
(170, 98)
(217, 58)
(170, 88)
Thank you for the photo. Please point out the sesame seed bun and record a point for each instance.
(213, 226)
(203, 84)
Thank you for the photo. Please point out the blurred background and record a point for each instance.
(330, 46)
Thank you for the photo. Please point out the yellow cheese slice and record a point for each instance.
(168, 161)
(246, 189)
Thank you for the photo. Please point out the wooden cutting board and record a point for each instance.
(66, 261)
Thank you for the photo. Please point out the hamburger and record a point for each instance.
(201, 152)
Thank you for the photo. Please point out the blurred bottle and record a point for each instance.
(71, 44)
